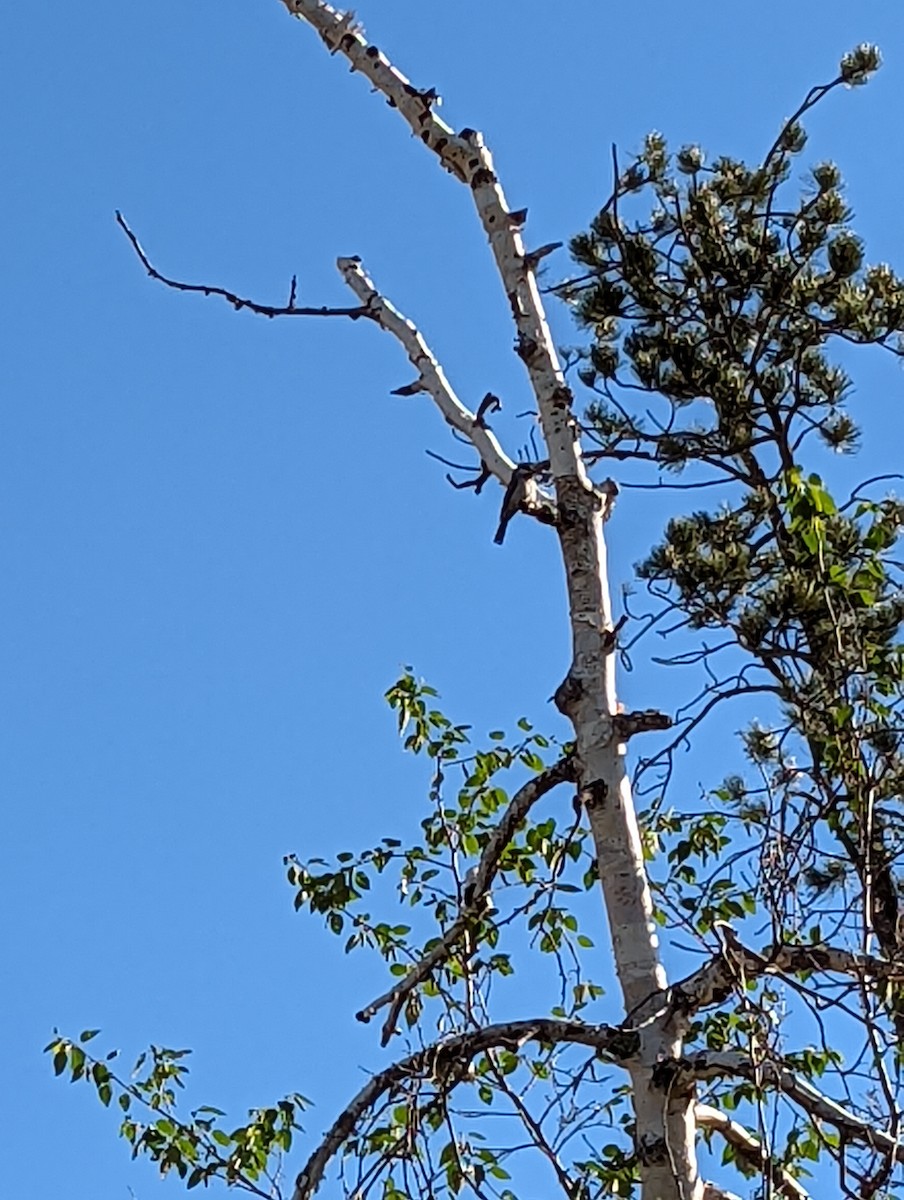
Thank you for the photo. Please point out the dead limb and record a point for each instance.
(465, 155)
(238, 302)
(432, 379)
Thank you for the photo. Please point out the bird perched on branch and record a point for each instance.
(515, 495)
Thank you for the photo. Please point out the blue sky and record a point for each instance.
(221, 537)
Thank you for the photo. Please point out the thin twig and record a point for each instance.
(238, 302)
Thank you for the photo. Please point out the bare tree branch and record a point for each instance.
(718, 978)
(432, 379)
(465, 156)
(237, 302)
(561, 772)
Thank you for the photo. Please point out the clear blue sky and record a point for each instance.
(221, 537)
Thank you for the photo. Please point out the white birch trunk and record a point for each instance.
(665, 1125)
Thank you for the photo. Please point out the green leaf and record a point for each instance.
(77, 1062)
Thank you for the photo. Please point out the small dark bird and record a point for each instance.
(515, 495)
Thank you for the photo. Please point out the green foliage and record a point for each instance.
(198, 1150)
(724, 299)
(467, 799)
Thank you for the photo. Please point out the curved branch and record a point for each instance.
(748, 1148)
(238, 302)
(687, 724)
(479, 886)
(448, 1062)
(819, 1107)
(736, 963)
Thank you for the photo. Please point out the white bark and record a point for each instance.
(430, 375)
(664, 1119)
(817, 1106)
(748, 1148)
(711, 1192)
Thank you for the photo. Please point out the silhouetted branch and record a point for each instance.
(238, 302)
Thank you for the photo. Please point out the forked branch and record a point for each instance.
(773, 1076)
(432, 379)
(725, 972)
(465, 155)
